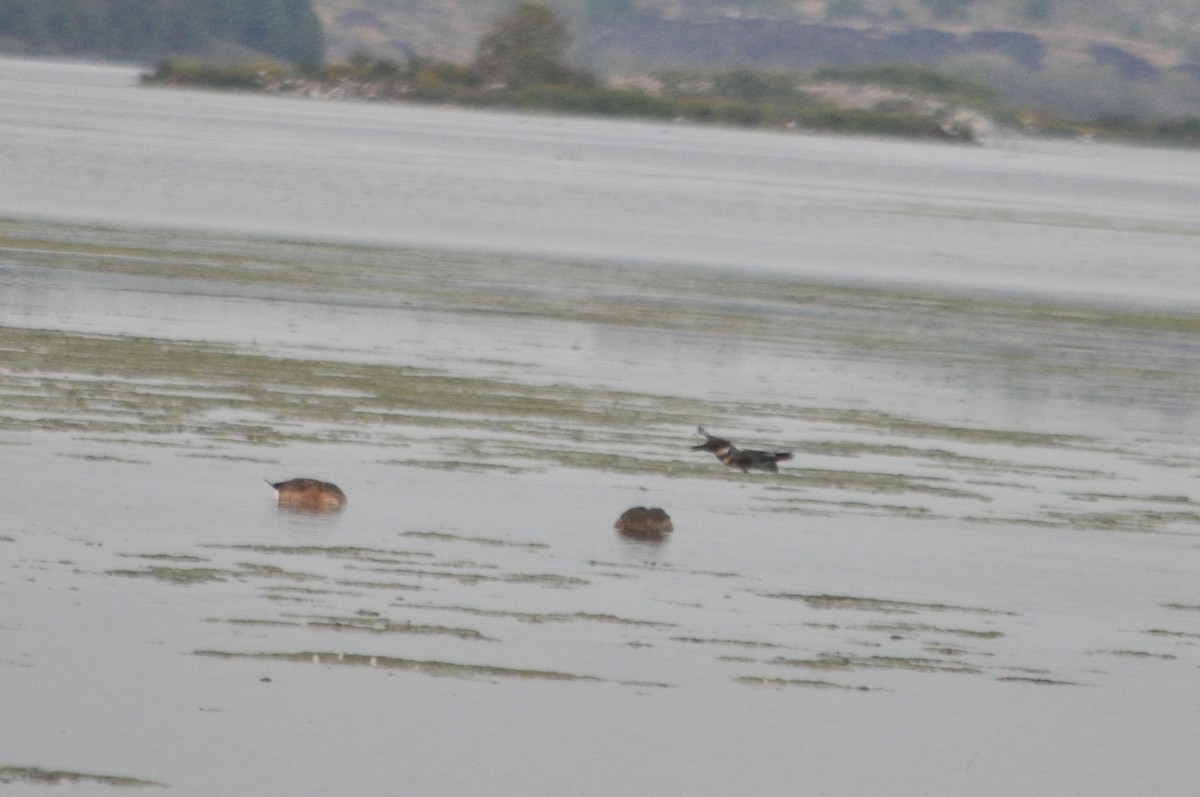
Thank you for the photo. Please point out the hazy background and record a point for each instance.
(1082, 58)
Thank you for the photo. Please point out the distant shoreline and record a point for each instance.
(443, 84)
(900, 102)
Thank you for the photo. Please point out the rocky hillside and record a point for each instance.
(1077, 57)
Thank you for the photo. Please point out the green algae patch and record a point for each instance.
(544, 579)
(398, 586)
(739, 643)
(54, 777)
(922, 628)
(185, 576)
(435, 668)
(349, 552)
(1030, 679)
(912, 427)
(947, 650)
(1163, 632)
(1138, 654)
(827, 508)
(463, 466)
(254, 623)
(205, 575)
(843, 662)
(550, 617)
(381, 625)
(1132, 520)
(888, 483)
(107, 458)
(460, 574)
(120, 385)
(808, 683)
(369, 624)
(490, 541)
(166, 557)
(861, 604)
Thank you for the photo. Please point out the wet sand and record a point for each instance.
(976, 577)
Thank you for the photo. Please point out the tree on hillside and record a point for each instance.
(526, 47)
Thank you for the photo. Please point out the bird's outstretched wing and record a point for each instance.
(711, 442)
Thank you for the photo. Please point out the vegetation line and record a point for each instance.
(738, 98)
(521, 64)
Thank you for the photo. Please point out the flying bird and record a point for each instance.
(734, 457)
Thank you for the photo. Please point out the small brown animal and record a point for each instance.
(642, 522)
(747, 459)
(309, 494)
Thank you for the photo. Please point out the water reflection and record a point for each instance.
(433, 178)
(643, 549)
(305, 523)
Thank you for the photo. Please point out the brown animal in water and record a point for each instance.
(309, 494)
(747, 460)
(643, 522)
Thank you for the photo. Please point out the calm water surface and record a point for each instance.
(498, 332)
(1089, 221)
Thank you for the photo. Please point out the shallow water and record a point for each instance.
(977, 576)
(1101, 223)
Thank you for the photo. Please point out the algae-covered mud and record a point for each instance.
(9, 775)
(976, 576)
